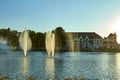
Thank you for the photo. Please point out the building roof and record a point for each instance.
(91, 35)
(112, 35)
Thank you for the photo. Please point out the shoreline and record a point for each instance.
(81, 50)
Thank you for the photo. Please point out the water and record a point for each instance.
(50, 43)
(91, 65)
(25, 41)
(3, 44)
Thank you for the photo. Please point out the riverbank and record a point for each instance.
(100, 50)
(80, 50)
(33, 78)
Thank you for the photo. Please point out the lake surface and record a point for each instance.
(91, 65)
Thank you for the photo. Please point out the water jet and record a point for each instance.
(50, 43)
(25, 41)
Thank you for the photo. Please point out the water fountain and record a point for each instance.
(3, 44)
(25, 41)
(50, 43)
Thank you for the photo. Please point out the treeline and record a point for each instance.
(37, 38)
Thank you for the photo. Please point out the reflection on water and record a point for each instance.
(103, 64)
(91, 65)
(50, 72)
(118, 60)
(118, 64)
(25, 66)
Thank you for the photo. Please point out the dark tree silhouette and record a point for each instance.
(60, 38)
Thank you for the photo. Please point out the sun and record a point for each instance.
(117, 30)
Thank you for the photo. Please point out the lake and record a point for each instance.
(91, 65)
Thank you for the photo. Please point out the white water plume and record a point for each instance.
(3, 44)
(25, 41)
(50, 43)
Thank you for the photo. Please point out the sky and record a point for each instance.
(100, 16)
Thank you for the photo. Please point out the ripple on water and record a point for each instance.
(37, 64)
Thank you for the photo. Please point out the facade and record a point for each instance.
(83, 40)
(111, 41)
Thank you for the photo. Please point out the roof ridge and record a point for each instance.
(89, 34)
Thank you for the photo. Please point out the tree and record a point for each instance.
(60, 37)
(38, 40)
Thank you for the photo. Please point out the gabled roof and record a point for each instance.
(91, 35)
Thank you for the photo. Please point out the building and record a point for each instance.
(83, 40)
(111, 41)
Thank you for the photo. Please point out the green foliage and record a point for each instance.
(60, 37)
(11, 36)
(37, 38)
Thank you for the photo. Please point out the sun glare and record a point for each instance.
(117, 30)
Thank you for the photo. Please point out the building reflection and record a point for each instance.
(118, 62)
(110, 65)
(50, 71)
(103, 64)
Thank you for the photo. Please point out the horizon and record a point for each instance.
(65, 31)
(102, 17)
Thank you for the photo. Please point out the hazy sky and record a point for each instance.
(98, 16)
